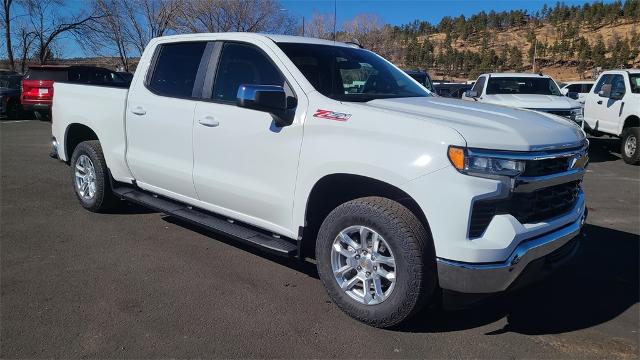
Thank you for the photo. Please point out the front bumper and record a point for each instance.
(482, 278)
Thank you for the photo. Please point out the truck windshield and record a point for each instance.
(522, 85)
(634, 79)
(350, 74)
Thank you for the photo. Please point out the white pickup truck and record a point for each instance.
(394, 192)
(526, 91)
(613, 108)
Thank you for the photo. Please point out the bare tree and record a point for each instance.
(148, 19)
(25, 43)
(233, 15)
(363, 28)
(49, 22)
(109, 32)
(320, 26)
(6, 17)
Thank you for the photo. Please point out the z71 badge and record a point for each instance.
(331, 115)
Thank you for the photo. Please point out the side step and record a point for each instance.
(245, 234)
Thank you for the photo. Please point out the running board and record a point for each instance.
(245, 234)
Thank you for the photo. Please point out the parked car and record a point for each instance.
(127, 76)
(524, 90)
(10, 96)
(613, 108)
(577, 90)
(422, 77)
(452, 90)
(393, 190)
(37, 85)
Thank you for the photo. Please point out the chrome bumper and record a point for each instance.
(496, 277)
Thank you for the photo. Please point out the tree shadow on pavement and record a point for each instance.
(604, 149)
(598, 285)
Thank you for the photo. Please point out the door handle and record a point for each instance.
(138, 110)
(599, 102)
(209, 121)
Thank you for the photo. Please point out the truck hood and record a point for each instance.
(488, 126)
(532, 101)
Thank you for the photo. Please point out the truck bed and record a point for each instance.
(101, 108)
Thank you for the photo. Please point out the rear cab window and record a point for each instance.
(47, 74)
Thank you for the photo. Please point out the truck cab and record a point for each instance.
(612, 107)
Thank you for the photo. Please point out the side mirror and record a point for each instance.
(471, 94)
(605, 91)
(267, 98)
(573, 95)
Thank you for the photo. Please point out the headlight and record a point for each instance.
(480, 165)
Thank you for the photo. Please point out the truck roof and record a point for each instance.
(515, 74)
(248, 35)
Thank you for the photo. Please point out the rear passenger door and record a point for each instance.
(159, 119)
(245, 166)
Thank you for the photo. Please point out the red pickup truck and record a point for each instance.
(37, 84)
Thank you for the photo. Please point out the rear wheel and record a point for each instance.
(91, 177)
(629, 145)
(376, 261)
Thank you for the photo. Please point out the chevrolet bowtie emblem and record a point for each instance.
(579, 161)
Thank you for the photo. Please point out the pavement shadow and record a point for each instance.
(604, 149)
(598, 285)
(304, 267)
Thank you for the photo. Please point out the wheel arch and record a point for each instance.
(334, 189)
(631, 121)
(74, 135)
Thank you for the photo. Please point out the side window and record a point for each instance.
(617, 84)
(479, 85)
(586, 88)
(603, 80)
(176, 67)
(243, 64)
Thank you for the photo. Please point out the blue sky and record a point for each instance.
(395, 12)
(403, 11)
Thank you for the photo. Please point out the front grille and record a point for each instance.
(563, 113)
(546, 166)
(536, 206)
(544, 203)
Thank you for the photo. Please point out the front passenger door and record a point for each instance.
(245, 166)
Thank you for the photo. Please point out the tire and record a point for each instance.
(629, 145)
(97, 195)
(409, 243)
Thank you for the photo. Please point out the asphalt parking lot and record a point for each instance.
(137, 284)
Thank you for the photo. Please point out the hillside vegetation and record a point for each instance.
(568, 42)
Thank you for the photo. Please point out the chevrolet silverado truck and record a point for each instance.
(613, 108)
(399, 196)
(526, 91)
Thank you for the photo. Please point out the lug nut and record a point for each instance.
(359, 267)
(373, 257)
(375, 268)
(357, 257)
(364, 252)
(368, 274)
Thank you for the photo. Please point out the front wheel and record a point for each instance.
(629, 145)
(376, 261)
(91, 177)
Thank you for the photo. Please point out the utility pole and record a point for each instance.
(535, 51)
